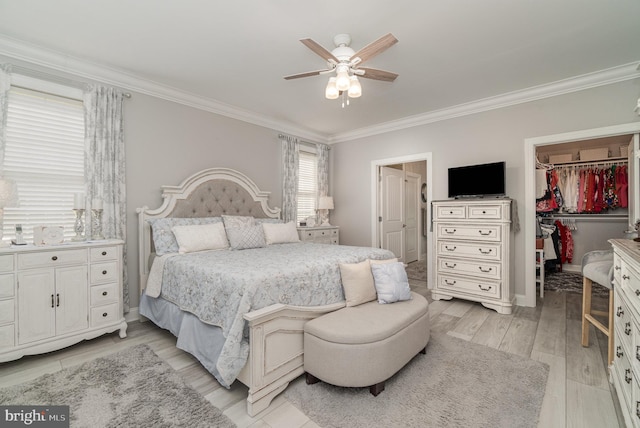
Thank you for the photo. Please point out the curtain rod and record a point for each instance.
(308, 143)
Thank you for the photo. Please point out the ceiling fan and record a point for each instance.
(347, 64)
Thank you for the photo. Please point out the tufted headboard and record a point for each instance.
(208, 193)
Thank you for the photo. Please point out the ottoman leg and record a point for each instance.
(311, 379)
(376, 389)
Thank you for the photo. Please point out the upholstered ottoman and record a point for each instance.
(365, 345)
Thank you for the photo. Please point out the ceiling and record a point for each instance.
(230, 57)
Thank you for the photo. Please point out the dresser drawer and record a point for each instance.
(6, 285)
(489, 270)
(103, 272)
(617, 268)
(7, 335)
(623, 320)
(624, 373)
(445, 212)
(103, 294)
(51, 258)
(6, 263)
(103, 253)
(485, 251)
(492, 212)
(470, 286)
(104, 315)
(7, 314)
(459, 231)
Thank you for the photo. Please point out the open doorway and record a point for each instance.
(401, 196)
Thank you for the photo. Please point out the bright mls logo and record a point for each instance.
(34, 416)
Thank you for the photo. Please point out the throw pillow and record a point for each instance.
(200, 237)
(242, 238)
(164, 240)
(280, 233)
(357, 281)
(237, 221)
(391, 282)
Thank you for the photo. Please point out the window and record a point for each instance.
(44, 154)
(307, 184)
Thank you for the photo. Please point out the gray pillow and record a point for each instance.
(391, 282)
(242, 238)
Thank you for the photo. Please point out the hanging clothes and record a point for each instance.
(566, 242)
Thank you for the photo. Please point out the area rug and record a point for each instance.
(571, 282)
(455, 384)
(417, 270)
(132, 388)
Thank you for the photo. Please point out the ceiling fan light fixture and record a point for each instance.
(331, 92)
(342, 78)
(355, 89)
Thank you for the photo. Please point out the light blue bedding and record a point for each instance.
(219, 287)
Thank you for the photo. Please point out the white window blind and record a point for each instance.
(307, 185)
(44, 154)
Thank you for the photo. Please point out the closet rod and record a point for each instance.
(612, 161)
(585, 217)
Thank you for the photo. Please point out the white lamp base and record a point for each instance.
(325, 224)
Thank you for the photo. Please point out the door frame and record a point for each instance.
(417, 212)
(375, 192)
(530, 144)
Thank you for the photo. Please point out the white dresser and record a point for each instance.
(472, 247)
(625, 370)
(54, 296)
(320, 234)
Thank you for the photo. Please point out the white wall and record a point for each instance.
(485, 137)
(167, 142)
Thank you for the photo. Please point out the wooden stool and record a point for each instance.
(597, 266)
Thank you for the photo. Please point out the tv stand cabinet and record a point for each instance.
(472, 246)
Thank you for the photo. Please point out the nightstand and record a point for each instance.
(320, 234)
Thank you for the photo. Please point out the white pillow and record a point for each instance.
(391, 282)
(200, 237)
(357, 281)
(280, 233)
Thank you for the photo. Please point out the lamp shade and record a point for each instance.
(331, 92)
(325, 203)
(355, 90)
(8, 193)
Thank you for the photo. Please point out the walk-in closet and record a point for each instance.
(583, 191)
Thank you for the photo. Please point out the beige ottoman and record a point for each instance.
(367, 344)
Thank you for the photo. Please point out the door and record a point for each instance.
(71, 299)
(36, 305)
(392, 210)
(412, 216)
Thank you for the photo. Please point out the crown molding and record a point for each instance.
(579, 83)
(54, 60)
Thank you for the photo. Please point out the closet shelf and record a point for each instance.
(593, 162)
(585, 216)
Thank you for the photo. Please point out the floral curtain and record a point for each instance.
(5, 85)
(105, 165)
(290, 161)
(323, 169)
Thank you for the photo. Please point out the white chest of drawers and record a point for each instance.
(472, 248)
(625, 370)
(320, 234)
(54, 296)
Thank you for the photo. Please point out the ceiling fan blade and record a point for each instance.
(319, 50)
(372, 73)
(307, 74)
(375, 48)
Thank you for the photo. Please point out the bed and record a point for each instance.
(241, 313)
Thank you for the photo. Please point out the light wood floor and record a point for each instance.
(578, 393)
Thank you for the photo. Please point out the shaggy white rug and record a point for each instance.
(456, 384)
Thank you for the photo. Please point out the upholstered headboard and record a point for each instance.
(208, 193)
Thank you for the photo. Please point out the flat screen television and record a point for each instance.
(486, 179)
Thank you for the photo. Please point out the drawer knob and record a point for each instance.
(104, 253)
(638, 409)
(484, 233)
(619, 312)
(446, 281)
(448, 248)
(484, 270)
(637, 292)
(619, 352)
(484, 251)
(627, 328)
(104, 314)
(104, 293)
(450, 266)
(54, 258)
(484, 212)
(638, 353)
(450, 212)
(450, 231)
(617, 268)
(627, 375)
(104, 272)
(484, 289)
(624, 277)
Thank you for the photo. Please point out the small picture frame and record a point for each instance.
(311, 221)
(303, 224)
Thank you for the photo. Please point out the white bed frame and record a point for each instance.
(276, 332)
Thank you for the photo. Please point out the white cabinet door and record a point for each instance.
(36, 305)
(71, 299)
